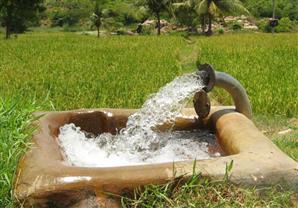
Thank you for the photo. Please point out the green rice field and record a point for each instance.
(63, 71)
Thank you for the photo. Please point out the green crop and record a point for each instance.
(74, 71)
(61, 71)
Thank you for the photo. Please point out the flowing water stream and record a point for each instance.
(138, 143)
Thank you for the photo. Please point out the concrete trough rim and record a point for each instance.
(260, 164)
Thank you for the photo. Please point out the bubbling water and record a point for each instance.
(138, 143)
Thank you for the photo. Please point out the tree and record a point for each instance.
(208, 9)
(97, 15)
(15, 14)
(185, 14)
(156, 7)
(68, 12)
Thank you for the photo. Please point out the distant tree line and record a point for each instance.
(17, 15)
(263, 8)
(207, 10)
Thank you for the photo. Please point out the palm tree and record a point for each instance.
(156, 7)
(97, 15)
(208, 9)
(186, 15)
(190, 6)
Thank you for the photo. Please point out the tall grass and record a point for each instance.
(14, 135)
(266, 65)
(58, 71)
(201, 192)
(76, 71)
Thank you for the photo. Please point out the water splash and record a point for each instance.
(138, 143)
(163, 107)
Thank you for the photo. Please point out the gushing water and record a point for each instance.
(138, 143)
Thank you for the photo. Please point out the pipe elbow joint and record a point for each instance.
(212, 78)
(236, 90)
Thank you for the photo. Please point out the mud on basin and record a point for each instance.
(44, 178)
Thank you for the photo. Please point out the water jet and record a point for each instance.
(47, 176)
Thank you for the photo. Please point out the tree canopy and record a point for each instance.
(15, 14)
(264, 8)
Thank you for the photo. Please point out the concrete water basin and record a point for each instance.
(45, 179)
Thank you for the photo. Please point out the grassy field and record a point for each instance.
(60, 71)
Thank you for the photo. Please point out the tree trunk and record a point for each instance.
(273, 14)
(209, 32)
(223, 21)
(158, 23)
(203, 24)
(193, 29)
(274, 8)
(8, 23)
(7, 31)
(97, 32)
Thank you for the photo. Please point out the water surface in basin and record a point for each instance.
(139, 142)
(86, 150)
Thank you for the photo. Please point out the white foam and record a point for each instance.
(89, 152)
(138, 143)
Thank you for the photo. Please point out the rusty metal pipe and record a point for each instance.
(236, 90)
(212, 78)
(206, 73)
